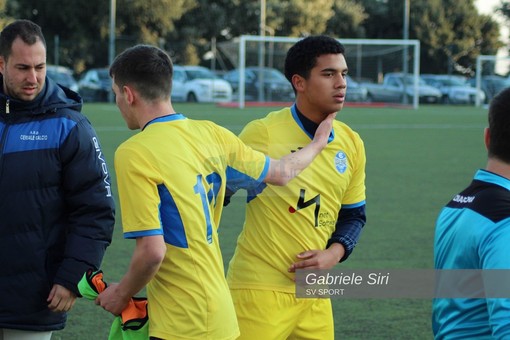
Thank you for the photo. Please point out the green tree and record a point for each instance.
(505, 10)
(78, 26)
(452, 33)
(347, 21)
(384, 18)
(150, 21)
(223, 20)
(4, 18)
(197, 28)
(301, 17)
(82, 26)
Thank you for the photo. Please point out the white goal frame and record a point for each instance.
(479, 60)
(412, 43)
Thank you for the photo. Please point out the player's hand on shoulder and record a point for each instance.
(324, 130)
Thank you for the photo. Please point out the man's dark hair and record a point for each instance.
(499, 126)
(146, 68)
(27, 30)
(302, 57)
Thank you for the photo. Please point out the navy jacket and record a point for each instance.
(56, 204)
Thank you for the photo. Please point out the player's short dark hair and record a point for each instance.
(499, 126)
(146, 68)
(27, 30)
(302, 57)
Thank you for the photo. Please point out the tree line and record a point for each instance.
(452, 33)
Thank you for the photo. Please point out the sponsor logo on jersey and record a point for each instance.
(463, 199)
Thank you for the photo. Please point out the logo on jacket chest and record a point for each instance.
(33, 135)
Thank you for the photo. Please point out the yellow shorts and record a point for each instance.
(270, 315)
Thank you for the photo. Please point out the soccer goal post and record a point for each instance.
(369, 60)
(491, 76)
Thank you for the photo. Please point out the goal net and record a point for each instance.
(491, 76)
(369, 60)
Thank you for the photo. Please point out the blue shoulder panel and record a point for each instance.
(38, 135)
(173, 227)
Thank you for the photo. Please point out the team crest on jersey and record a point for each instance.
(341, 162)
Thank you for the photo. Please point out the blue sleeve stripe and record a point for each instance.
(136, 234)
(265, 171)
(238, 180)
(354, 205)
(254, 192)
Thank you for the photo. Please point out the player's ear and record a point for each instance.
(298, 82)
(129, 94)
(2, 64)
(487, 137)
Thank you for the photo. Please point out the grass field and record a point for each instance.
(416, 160)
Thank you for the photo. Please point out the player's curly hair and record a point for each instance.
(499, 126)
(302, 57)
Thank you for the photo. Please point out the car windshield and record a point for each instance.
(500, 82)
(410, 81)
(103, 75)
(271, 74)
(60, 77)
(453, 81)
(200, 73)
(351, 81)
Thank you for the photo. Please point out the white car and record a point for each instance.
(63, 76)
(455, 89)
(199, 84)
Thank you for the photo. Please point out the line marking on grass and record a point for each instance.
(111, 128)
(417, 126)
(356, 126)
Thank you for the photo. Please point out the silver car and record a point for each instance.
(355, 91)
(455, 89)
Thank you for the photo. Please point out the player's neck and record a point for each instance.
(310, 111)
(498, 167)
(153, 110)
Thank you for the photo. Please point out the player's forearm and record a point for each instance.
(337, 252)
(147, 258)
(281, 171)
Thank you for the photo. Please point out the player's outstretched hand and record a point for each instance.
(323, 131)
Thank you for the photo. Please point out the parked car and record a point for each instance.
(455, 89)
(271, 82)
(95, 85)
(355, 91)
(62, 75)
(491, 86)
(199, 84)
(394, 89)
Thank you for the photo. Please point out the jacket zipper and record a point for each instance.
(3, 138)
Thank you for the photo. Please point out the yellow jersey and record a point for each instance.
(171, 180)
(281, 222)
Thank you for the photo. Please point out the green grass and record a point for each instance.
(416, 160)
